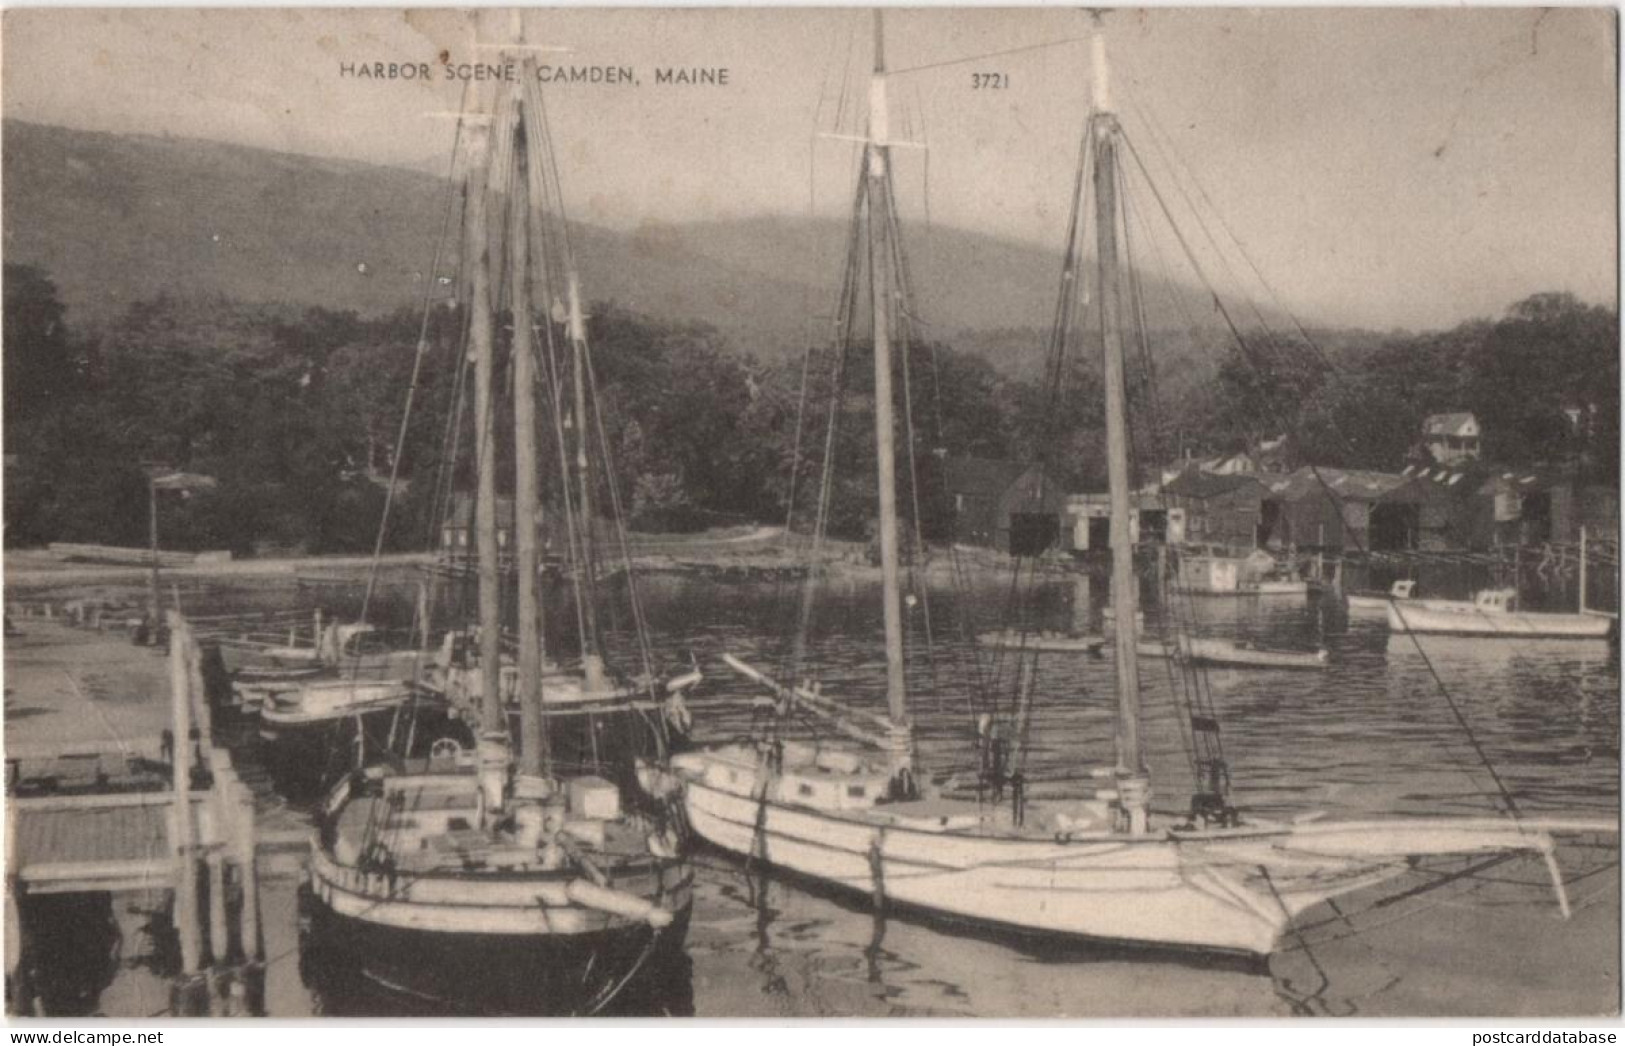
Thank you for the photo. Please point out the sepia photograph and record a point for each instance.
(808, 513)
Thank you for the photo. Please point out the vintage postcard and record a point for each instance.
(787, 513)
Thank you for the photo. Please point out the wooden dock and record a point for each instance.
(99, 806)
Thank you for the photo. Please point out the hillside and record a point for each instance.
(118, 218)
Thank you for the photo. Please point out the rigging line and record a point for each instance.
(1314, 394)
(1283, 361)
(1063, 41)
(417, 368)
(906, 352)
(1186, 623)
(840, 358)
(1472, 737)
(1151, 121)
(555, 395)
(1187, 678)
(639, 619)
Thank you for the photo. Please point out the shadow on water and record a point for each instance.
(71, 945)
(655, 983)
(1034, 945)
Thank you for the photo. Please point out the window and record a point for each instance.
(856, 791)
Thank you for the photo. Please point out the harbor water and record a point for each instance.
(1388, 728)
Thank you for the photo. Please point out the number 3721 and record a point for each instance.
(989, 81)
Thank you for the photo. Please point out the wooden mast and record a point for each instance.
(592, 659)
(1133, 789)
(885, 452)
(477, 256)
(526, 503)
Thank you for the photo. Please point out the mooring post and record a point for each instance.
(199, 693)
(248, 873)
(186, 899)
(218, 940)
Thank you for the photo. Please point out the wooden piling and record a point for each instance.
(218, 938)
(244, 845)
(186, 899)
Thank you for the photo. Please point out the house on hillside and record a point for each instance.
(1337, 509)
(1009, 506)
(1452, 438)
(1214, 509)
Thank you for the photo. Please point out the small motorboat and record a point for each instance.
(1052, 642)
(1493, 613)
(1376, 602)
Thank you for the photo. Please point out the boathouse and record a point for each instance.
(1215, 509)
(1337, 509)
(1012, 507)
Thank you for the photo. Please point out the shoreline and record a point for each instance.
(758, 554)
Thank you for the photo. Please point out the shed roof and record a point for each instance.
(1347, 484)
(1194, 483)
(1449, 424)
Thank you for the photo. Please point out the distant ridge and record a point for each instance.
(118, 218)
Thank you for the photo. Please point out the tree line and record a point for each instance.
(296, 413)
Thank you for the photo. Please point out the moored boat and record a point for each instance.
(1493, 613)
(1101, 866)
(535, 870)
(1376, 602)
(308, 730)
(1050, 642)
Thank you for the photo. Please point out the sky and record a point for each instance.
(1381, 167)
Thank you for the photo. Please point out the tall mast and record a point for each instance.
(885, 453)
(477, 255)
(592, 662)
(526, 502)
(1133, 790)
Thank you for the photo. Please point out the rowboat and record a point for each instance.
(1049, 642)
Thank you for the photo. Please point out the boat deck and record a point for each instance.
(436, 827)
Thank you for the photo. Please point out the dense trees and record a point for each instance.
(297, 412)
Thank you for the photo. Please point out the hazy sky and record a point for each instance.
(1382, 167)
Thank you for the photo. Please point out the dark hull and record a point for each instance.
(360, 968)
(303, 759)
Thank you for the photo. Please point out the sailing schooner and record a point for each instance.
(1106, 867)
(538, 878)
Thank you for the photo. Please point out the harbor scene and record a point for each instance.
(759, 946)
(521, 569)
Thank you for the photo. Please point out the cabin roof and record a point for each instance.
(1448, 424)
(1194, 483)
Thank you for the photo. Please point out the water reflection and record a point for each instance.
(1370, 735)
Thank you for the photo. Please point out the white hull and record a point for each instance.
(1245, 588)
(1051, 642)
(1442, 617)
(1370, 604)
(1202, 890)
